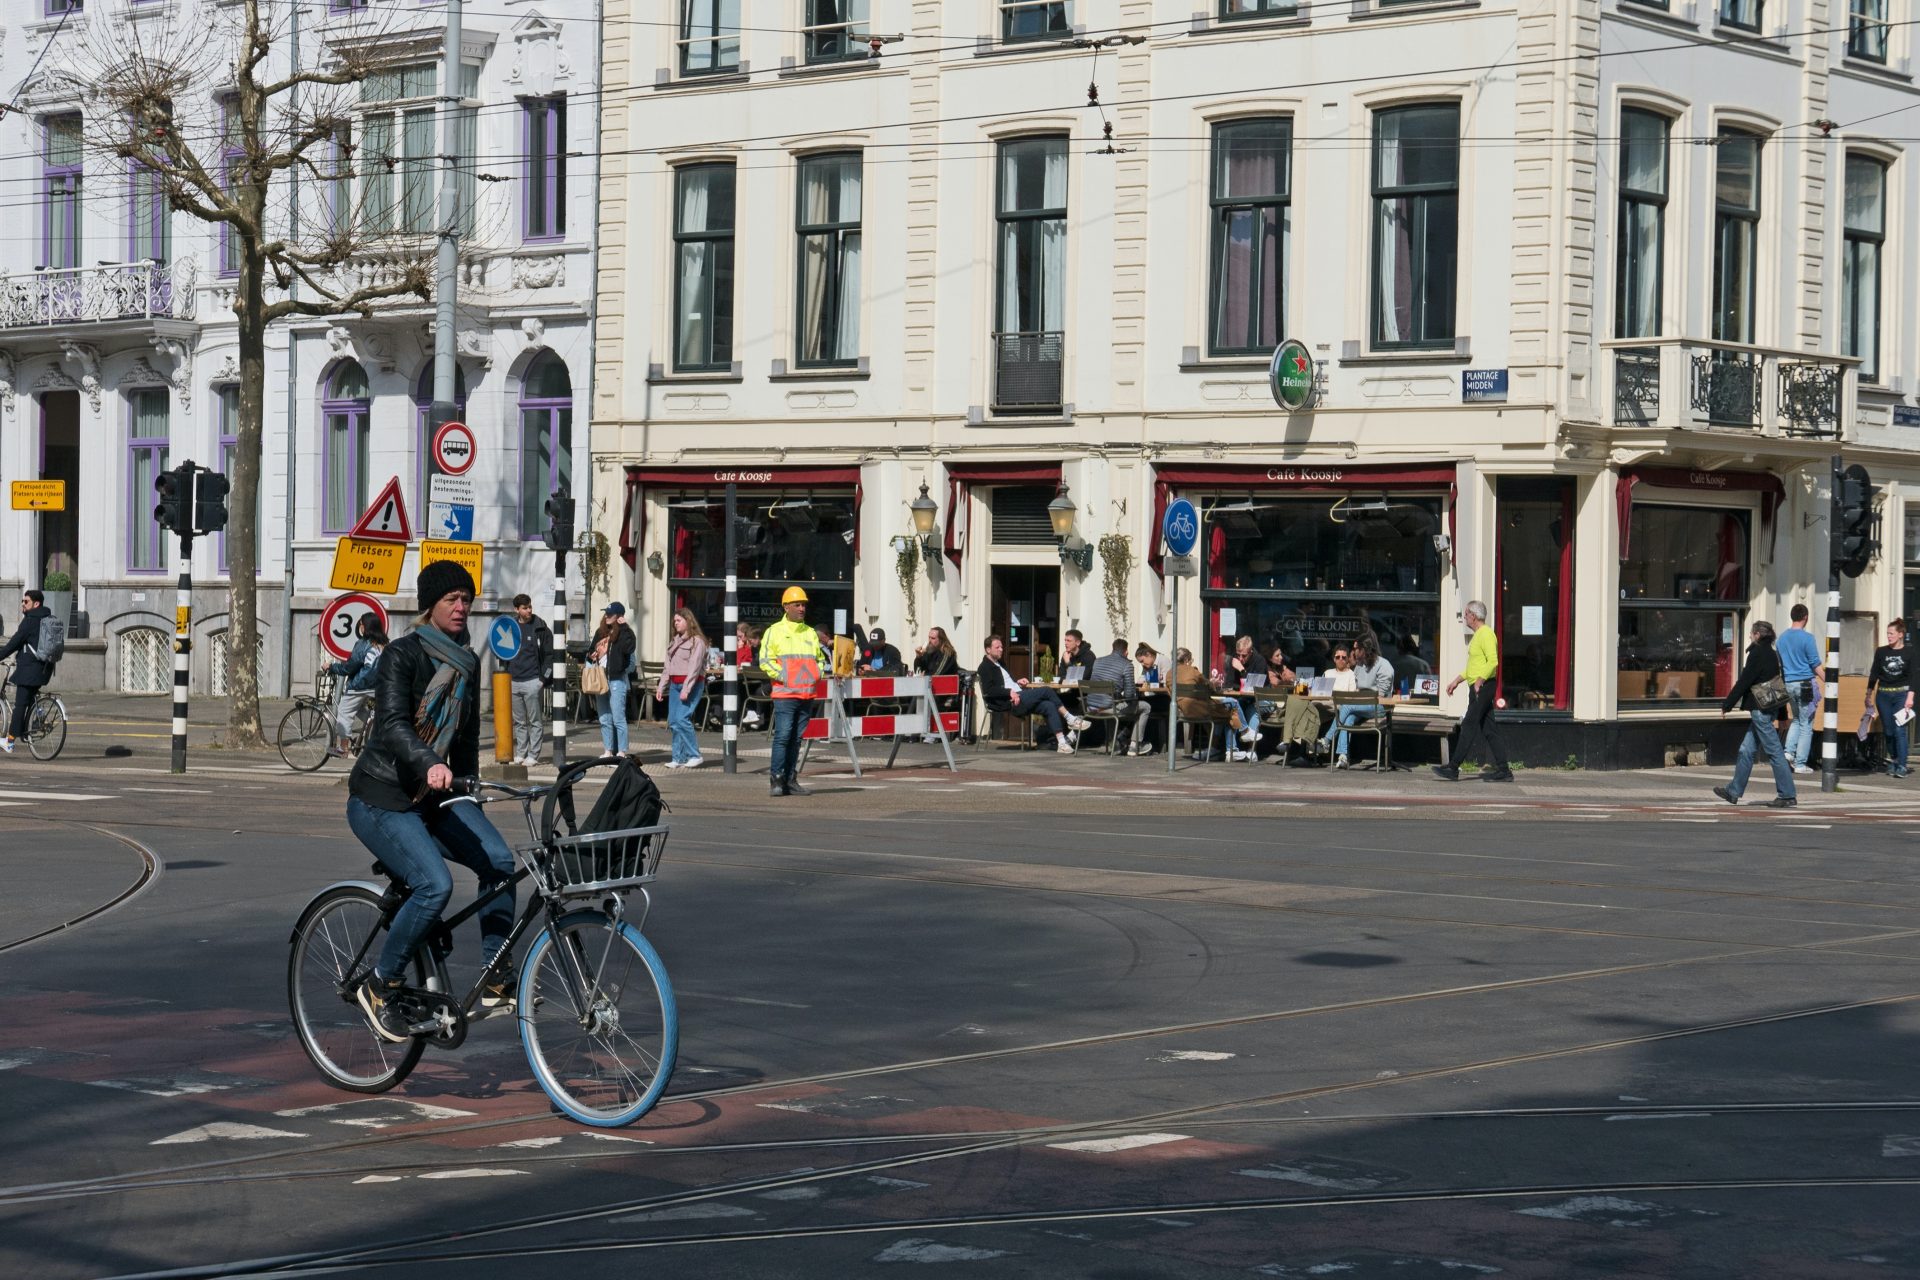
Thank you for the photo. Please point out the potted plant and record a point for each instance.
(58, 586)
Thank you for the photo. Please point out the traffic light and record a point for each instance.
(1855, 526)
(559, 534)
(210, 502)
(173, 487)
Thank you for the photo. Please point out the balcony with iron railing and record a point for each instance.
(1027, 372)
(1697, 384)
(99, 295)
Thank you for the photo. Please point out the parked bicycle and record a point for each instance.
(46, 723)
(308, 734)
(595, 1009)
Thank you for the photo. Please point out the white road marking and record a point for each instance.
(224, 1129)
(1667, 1115)
(167, 791)
(614, 1137)
(1306, 1177)
(421, 1110)
(1708, 821)
(918, 1250)
(375, 1177)
(1610, 1209)
(1192, 1055)
(50, 795)
(708, 995)
(442, 1174)
(690, 1213)
(1127, 1142)
(794, 1193)
(1896, 1145)
(521, 1143)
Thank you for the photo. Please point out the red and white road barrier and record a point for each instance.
(840, 726)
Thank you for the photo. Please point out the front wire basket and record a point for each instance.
(593, 862)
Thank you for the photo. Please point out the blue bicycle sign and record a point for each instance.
(1181, 527)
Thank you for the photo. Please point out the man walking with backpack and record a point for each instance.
(39, 643)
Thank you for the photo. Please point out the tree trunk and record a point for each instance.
(243, 516)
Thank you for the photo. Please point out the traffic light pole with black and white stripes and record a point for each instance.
(193, 500)
(559, 539)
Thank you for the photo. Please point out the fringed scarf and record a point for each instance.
(455, 667)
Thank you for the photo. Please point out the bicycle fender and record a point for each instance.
(369, 886)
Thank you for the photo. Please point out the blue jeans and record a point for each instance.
(613, 717)
(790, 716)
(1761, 737)
(680, 721)
(415, 845)
(1805, 711)
(1343, 717)
(1887, 704)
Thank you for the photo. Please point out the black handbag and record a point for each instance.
(1769, 695)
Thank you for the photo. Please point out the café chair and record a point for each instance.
(1379, 723)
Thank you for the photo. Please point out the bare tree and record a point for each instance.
(214, 109)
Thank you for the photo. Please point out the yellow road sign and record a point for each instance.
(182, 619)
(39, 495)
(465, 554)
(367, 564)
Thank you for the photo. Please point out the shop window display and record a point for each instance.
(1683, 604)
(782, 539)
(1305, 574)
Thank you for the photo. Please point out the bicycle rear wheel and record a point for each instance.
(333, 1029)
(305, 737)
(46, 729)
(598, 1019)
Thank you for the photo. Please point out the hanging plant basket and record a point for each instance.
(906, 566)
(1116, 562)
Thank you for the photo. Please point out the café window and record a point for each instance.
(1305, 573)
(1910, 601)
(1683, 604)
(783, 538)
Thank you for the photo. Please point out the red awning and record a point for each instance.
(633, 523)
(1773, 493)
(1005, 472)
(1313, 476)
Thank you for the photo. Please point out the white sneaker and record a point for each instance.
(6, 745)
(1077, 724)
(1250, 734)
(693, 763)
(1803, 769)
(751, 718)
(1065, 748)
(1243, 755)
(671, 764)
(1340, 763)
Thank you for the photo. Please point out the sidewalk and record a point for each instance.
(1093, 779)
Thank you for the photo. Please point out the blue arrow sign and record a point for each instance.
(504, 638)
(1181, 527)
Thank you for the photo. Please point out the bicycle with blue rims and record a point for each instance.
(593, 1004)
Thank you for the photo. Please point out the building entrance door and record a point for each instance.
(1026, 612)
(1534, 606)
(60, 460)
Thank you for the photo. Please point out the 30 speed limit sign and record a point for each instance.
(342, 615)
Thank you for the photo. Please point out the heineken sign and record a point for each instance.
(1291, 375)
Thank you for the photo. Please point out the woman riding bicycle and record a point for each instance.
(426, 731)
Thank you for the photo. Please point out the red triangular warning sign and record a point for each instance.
(386, 516)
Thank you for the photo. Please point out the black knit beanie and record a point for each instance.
(441, 579)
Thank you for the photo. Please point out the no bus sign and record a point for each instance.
(453, 448)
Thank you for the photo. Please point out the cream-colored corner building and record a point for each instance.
(1590, 305)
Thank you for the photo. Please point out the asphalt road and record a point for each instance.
(1001, 1040)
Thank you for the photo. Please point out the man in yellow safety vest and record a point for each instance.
(790, 655)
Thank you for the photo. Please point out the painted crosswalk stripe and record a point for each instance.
(1127, 1142)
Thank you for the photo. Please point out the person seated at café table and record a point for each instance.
(878, 655)
(1110, 687)
(1200, 707)
(1002, 692)
(1365, 671)
(1300, 717)
(1076, 658)
(1149, 731)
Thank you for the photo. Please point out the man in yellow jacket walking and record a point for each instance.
(790, 656)
(1483, 668)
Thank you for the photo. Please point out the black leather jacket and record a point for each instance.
(392, 769)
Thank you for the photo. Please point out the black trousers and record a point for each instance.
(1479, 724)
(23, 696)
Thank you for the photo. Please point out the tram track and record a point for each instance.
(364, 1255)
(149, 872)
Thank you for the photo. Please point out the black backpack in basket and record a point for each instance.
(630, 799)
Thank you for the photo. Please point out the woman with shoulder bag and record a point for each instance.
(1760, 690)
(682, 684)
(613, 651)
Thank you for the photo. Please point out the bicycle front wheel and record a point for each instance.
(47, 729)
(331, 950)
(598, 1019)
(306, 735)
